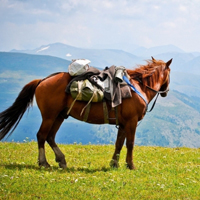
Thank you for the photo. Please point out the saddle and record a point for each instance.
(93, 85)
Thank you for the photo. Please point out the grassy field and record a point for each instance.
(162, 173)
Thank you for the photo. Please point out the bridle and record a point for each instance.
(156, 91)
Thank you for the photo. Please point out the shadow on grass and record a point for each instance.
(15, 166)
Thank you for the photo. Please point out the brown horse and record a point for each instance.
(54, 103)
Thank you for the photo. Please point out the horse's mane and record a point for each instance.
(148, 74)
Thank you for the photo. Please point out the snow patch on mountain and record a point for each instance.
(43, 49)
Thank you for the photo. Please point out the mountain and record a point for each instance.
(182, 61)
(175, 120)
(17, 69)
(98, 57)
(193, 65)
(185, 66)
(186, 83)
(148, 52)
(32, 64)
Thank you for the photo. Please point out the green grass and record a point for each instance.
(162, 173)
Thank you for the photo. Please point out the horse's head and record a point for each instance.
(165, 79)
(155, 76)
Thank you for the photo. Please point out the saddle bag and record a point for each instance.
(85, 91)
(79, 66)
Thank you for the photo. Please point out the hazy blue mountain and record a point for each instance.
(17, 69)
(196, 53)
(32, 64)
(98, 57)
(186, 83)
(193, 66)
(185, 66)
(175, 121)
(182, 61)
(153, 51)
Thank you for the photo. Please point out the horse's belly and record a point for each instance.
(96, 113)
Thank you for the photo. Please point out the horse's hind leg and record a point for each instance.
(118, 146)
(60, 158)
(41, 137)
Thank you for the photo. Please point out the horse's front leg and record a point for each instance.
(130, 139)
(118, 146)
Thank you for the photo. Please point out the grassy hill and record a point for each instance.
(162, 173)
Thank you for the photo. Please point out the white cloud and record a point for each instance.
(85, 23)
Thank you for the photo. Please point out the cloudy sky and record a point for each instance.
(121, 24)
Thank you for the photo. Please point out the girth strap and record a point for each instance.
(105, 111)
(115, 109)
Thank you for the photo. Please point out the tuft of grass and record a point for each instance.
(162, 173)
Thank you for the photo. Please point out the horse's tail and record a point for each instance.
(10, 117)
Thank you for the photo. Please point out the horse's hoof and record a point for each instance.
(46, 165)
(130, 166)
(114, 164)
(63, 165)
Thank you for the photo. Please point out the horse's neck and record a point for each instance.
(150, 94)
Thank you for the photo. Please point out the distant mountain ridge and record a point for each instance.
(99, 57)
(185, 66)
(148, 52)
(182, 61)
(32, 63)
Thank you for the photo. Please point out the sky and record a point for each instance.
(114, 24)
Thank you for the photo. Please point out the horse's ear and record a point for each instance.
(168, 63)
(153, 59)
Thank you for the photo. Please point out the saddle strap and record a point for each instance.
(106, 115)
(73, 104)
(86, 113)
(116, 115)
(87, 104)
(105, 111)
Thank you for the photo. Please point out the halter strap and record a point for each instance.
(139, 93)
(159, 92)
